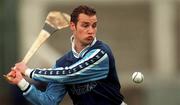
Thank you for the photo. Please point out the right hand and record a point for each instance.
(14, 77)
(21, 66)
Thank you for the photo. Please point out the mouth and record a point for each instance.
(90, 38)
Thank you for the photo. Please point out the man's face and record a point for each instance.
(85, 29)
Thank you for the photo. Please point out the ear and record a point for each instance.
(72, 26)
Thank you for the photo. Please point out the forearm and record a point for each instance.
(52, 96)
(88, 69)
(38, 98)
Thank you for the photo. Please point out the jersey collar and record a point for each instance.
(82, 52)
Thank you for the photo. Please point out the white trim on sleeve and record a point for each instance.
(28, 72)
(23, 84)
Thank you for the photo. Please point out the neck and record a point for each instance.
(79, 46)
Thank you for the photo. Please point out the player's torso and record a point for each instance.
(101, 92)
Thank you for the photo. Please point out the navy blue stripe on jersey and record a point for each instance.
(94, 62)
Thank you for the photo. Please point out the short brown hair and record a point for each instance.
(82, 9)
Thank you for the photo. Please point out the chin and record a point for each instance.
(87, 42)
(90, 40)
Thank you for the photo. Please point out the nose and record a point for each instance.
(91, 30)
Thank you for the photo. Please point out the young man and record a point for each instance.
(87, 72)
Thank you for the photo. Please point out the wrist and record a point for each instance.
(23, 84)
(28, 72)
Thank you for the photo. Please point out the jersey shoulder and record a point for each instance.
(63, 59)
(103, 46)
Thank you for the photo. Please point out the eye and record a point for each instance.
(94, 25)
(85, 25)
